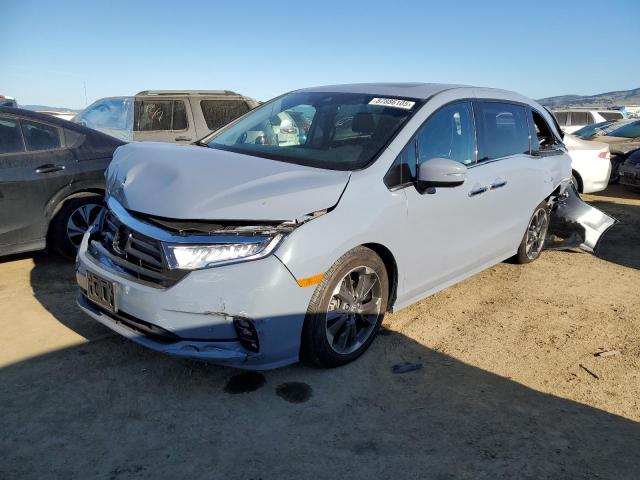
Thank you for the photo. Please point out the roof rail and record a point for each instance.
(186, 92)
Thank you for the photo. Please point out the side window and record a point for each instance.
(502, 130)
(448, 134)
(542, 136)
(562, 118)
(579, 118)
(10, 136)
(217, 113)
(158, 115)
(39, 136)
(403, 170)
(179, 116)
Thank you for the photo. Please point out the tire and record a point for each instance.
(335, 331)
(534, 237)
(576, 182)
(73, 219)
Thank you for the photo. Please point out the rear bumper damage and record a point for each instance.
(575, 224)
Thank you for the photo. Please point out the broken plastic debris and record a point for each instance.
(406, 367)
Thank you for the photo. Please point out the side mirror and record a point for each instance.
(440, 172)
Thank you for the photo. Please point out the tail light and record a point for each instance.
(604, 154)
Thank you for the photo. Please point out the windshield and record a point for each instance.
(112, 116)
(337, 131)
(630, 130)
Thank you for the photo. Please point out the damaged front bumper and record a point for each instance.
(205, 314)
(574, 223)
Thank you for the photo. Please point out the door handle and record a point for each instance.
(49, 168)
(182, 139)
(498, 184)
(478, 191)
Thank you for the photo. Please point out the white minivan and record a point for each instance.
(255, 252)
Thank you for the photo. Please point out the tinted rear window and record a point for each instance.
(10, 137)
(502, 130)
(611, 115)
(217, 113)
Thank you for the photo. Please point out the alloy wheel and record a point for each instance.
(80, 220)
(353, 310)
(536, 233)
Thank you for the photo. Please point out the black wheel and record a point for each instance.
(535, 235)
(72, 221)
(346, 309)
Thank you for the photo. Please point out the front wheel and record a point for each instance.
(534, 237)
(72, 221)
(346, 309)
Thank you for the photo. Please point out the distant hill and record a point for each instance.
(39, 108)
(622, 97)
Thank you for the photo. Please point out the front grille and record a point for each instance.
(133, 253)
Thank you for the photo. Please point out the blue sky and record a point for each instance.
(50, 50)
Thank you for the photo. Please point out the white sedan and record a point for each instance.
(590, 164)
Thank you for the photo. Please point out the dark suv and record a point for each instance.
(51, 180)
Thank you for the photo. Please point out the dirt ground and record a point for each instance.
(509, 386)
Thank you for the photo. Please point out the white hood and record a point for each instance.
(199, 183)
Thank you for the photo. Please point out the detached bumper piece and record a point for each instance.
(576, 224)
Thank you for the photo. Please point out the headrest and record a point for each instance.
(363, 123)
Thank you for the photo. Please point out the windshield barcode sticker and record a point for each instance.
(393, 102)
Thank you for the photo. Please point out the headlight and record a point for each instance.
(194, 257)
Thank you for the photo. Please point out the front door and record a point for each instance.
(450, 228)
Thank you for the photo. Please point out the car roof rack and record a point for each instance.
(186, 92)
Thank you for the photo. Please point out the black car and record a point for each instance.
(630, 171)
(51, 180)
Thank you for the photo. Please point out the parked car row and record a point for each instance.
(573, 119)
(623, 139)
(593, 135)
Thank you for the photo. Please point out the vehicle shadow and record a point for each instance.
(54, 286)
(112, 409)
(617, 191)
